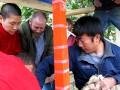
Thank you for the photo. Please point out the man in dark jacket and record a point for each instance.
(91, 55)
(108, 12)
(37, 37)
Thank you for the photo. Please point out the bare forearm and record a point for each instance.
(117, 1)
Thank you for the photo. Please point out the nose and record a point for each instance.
(39, 30)
(80, 44)
(15, 27)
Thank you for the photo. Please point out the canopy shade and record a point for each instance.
(46, 5)
(37, 4)
(46, 1)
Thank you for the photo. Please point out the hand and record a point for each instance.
(117, 1)
(49, 79)
(107, 83)
(97, 3)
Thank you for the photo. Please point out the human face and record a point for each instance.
(11, 23)
(69, 27)
(87, 43)
(38, 25)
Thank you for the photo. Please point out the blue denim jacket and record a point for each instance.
(83, 67)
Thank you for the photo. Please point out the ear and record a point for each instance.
(1, 18)
(30, 21)
(97, 37)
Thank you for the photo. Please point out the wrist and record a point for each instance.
(113, 81)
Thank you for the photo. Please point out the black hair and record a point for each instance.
(10, 8)
(69, 21)
(27, 59)
(88, 25)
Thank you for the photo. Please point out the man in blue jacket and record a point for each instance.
(91, 55)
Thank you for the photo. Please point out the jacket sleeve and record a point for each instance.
(45, 69)
(23, 37)
(26, 39)
(116, 62)
(49, 37)
(74, 53)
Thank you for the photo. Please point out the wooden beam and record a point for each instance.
(47, 7)
(80, 11)
(31, 3)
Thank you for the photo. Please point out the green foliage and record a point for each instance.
(75, 4)
(110, 33)
(70, 4)
(26, 13)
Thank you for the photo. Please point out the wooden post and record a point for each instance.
(61, 62)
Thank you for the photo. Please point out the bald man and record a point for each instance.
(37, 37)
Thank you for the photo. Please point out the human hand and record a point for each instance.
(117, 1)
(90, 87)
(97, 3)
(49, 79)
(93, 83)
(106, 83)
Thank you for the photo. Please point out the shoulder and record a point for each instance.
(24, 26)
(115, 47)
(74, 48)
(48, 32)
(25, 29)
(48, 29)
(10, 61)
(2, 31)
(24, 23)
(74, 51)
